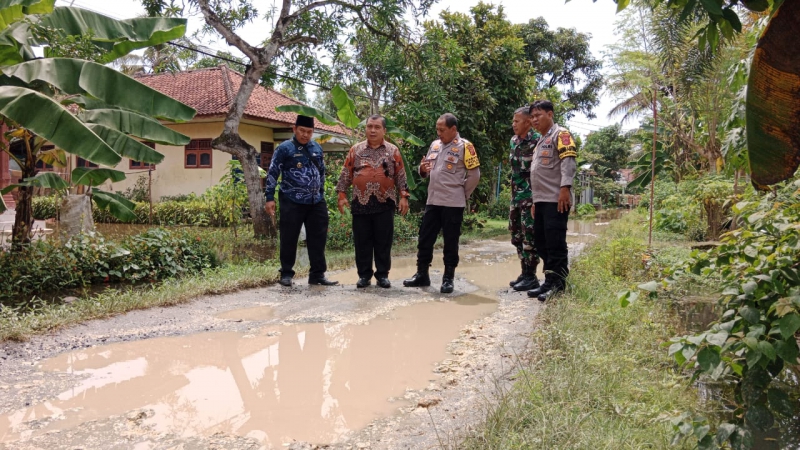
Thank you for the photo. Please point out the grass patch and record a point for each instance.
(240, 270)
(599, 378)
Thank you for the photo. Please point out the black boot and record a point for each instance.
(521, 275)
(545, 287)
(447, 279)
(420, 279)
(529, 280)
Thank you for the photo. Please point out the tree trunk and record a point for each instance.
(23, 219)
(262, 224)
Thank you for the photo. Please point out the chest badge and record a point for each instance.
(299, 165)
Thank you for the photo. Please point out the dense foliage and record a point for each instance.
(754, 345)
(53, 266)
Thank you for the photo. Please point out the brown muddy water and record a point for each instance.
(310, 382)
(278, 383)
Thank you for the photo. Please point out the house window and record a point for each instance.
(267, 149)
(138, 165)
(265, 158)
(197, 154)
(80, 162)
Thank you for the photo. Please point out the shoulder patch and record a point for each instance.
(566, 145)
(470, 156)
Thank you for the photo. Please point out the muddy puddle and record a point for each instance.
(309, 382)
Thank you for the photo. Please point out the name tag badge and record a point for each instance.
(298, 155)
(451, 159)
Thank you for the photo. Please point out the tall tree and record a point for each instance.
(562, 59)
(608, 150)
(293, 31)
(473, 66)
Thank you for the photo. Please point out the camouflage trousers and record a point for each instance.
(520, 224)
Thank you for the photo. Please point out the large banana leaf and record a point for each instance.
(75, 77)
(309, 111)
(412, 184)
(119, 206)
(345, 106)
(136, 125)
(44, 180)
(47, 180)
(84, 176)
(12, 11)
(50, 121)
(116, 37)
(393, 130)
(126, 146)
(773, 104)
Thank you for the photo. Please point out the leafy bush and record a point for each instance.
(52, 266)
(195, 212)
(754, 344)
(585, 210)
(140, 191)
(46, 207)
(498, 208)
(179, 198)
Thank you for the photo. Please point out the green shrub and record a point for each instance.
(194, 212)
(498, 208)
(46, 207)
(585, 210)
(51, 266)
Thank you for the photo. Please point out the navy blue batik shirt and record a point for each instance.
(301, 182)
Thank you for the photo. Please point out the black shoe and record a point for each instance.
(528, 283)
(543, 288)
(420, 279)
(447, 280)
(383, 282)
(363, 282)
(322, 281)
(547, 295)
(285, 280)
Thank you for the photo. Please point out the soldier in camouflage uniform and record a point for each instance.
(520, 221)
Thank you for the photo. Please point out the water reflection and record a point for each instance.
(309, 382)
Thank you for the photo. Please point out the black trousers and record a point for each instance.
(550, 241)
(446, 219)
(315, 218)
(372, 236)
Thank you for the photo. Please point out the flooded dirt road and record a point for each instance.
(277, 367)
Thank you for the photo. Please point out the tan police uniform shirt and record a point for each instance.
(553, 164)
(454, 174)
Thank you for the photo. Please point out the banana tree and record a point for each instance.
(346, 112)
(772, 104)
(113, 109)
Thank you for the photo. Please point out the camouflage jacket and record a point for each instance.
(520, 159)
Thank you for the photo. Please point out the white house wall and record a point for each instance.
(172, 178)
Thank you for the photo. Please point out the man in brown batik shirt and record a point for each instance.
(374, 168)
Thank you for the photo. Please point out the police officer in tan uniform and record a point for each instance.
(552, 173)
(453, 168)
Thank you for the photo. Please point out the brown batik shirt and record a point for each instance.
(377, 175)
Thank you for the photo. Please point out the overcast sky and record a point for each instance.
(586, 16)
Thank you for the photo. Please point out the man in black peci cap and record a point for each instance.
(300, 165)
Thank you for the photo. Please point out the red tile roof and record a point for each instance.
(211, 91)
